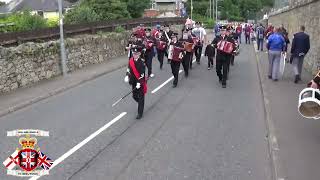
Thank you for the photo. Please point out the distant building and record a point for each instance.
(165, 8)
(45, 8)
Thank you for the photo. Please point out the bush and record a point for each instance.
(53, 22)
(119, 29)
(81, 14)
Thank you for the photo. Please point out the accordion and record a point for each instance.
(225, 46)
(188, 46)
(148, 44)
(161, 45)
(195, 40)
(177, 54)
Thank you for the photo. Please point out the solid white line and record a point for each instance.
(170, 79)
(164, 83)
(82, 143)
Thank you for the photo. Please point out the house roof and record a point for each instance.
(44, 5)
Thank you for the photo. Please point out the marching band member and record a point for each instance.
(225, 46)
(188, 46)
(194, 37)
(149, 42)
(136, 78)
(161, 47)
(201, 34)
(174, 55)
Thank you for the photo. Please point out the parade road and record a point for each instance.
(195, 131)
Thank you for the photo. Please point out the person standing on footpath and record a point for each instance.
(276, 45)
(300, 47)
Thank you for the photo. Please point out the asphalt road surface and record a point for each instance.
(197, 131)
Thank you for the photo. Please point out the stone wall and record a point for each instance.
(32, 62)
(307, 13)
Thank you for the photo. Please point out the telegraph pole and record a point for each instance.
(62, 47)
(216, 10)
(191, 9)
(210, 9)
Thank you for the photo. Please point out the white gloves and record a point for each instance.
(126, 79)
(138, 86)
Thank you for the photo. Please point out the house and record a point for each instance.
(165, 8)
(45, 8)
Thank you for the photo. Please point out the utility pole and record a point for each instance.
(213, 9)
(62, 47)
(216, 10)
(210, 9)
(191, 9)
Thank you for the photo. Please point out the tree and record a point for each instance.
(81, 14)
(108, 9)
(137, 7)
(2, 3)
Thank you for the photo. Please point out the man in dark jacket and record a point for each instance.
(223, 58)
(300, 47)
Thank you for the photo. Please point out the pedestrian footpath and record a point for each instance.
(296, 138)
(23, 97)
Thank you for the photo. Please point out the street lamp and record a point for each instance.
(62, 47)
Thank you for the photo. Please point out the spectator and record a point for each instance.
(300, 47)
(260, 37)
(285, 35)
(276, 45)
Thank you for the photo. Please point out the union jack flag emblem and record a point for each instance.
(44, 162)
(28, 159)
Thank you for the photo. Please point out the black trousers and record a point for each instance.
(248, 39)
(210, 61)
(138, 96)
(149, 57)
(160, 57)
(175, 67)
(191, 59)
(222, 67)
(186, 62)
(198, 52)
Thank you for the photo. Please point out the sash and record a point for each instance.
(137, 75)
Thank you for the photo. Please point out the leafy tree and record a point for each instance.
(108, 9)
(2, 3)
(137, 7)
(81, 14)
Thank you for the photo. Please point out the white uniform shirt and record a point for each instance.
(199, 32)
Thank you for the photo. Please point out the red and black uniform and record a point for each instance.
(149, 52)
(137, 75)
(222, 59)
(161, 49)
(175, 64)
(187, 56)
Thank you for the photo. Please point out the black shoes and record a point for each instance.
(174, 85)
(270, 77)
(297, 79)
(224, 85)
(139, 116)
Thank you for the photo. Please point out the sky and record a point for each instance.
(5, 1)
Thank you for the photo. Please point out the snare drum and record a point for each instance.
(309, 103)
(188, 46)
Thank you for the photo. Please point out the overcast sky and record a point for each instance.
(5, 0)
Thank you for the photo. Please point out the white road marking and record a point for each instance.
(170, 79)
(82, 143)
(163, 84)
